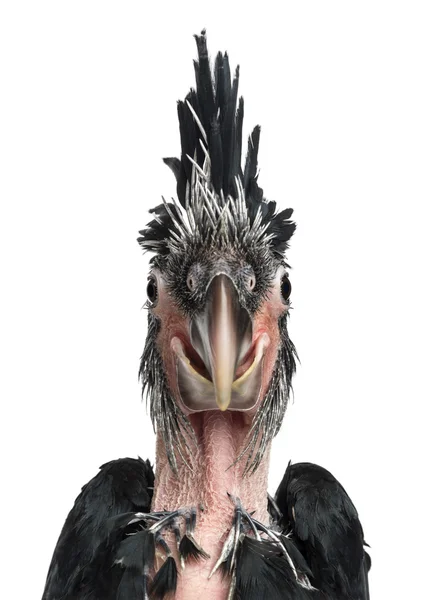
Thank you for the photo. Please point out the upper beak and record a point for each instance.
(222, 334)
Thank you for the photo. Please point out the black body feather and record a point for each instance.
(263, 573)
(95, 534)
(165, 581)
(137, 551)
(325, 527)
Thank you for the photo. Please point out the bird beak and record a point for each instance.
(222, 334)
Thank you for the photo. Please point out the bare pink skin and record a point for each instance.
(221, 437)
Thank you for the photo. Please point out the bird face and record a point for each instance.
(218, 291)
(219, 332)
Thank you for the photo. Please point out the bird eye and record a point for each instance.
(152, 290)
(286, 287)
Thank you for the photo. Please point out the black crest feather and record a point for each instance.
(210, 122)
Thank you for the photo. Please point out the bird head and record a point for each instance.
(218, 292)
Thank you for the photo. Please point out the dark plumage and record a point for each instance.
(82, 566)
(325, 527)
(219, 268)
(263, 573)
(165, 580)
(190, 550)
(137, 551)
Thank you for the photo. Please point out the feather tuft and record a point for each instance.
(210, 121)
(191, 550)
(165, 581)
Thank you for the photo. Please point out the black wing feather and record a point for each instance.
(83, 564)
(325, 527)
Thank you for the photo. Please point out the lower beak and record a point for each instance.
(222, 334)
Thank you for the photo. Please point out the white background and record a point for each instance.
(349, 98)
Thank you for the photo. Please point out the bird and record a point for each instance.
(217, 370)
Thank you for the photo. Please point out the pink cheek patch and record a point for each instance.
(267, 320)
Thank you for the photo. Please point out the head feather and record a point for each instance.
(219, 202)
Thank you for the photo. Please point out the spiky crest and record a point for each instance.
(219, 203)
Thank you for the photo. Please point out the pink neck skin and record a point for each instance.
(221, 435)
